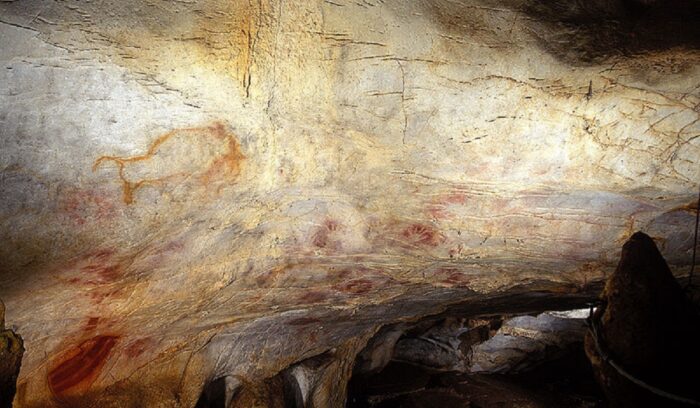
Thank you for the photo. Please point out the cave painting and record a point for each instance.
(80, 367)
(209, 156)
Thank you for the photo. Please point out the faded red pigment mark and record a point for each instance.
(346, 273)
(138, 347)
(160, 253)
(100, 296)
(455, 198)
(456, 251)
(321, 238)
(439, 209)
(273, 275)
(104, 273)
(97, 267)
(267, 278)
(355, 286)
(422, 235)
(456, 279)
(92, 323)
(81, 366)
(81, 206)
(96, 324)
(360, 280)
(172, 246)
(102, 254)
(313, 297)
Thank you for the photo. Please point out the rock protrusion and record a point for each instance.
(525, 342)
(11, 351)
(649, 328)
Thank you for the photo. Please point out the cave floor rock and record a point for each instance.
(564, 382)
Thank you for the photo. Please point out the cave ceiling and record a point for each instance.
(194, 189)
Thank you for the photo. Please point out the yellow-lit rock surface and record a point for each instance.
(199, 189)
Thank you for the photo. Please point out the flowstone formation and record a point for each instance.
(206, 196)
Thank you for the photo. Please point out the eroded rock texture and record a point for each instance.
(11, 351)
(200, 190)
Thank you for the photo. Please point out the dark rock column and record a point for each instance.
(648, 327)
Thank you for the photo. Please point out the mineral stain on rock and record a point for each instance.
(81, 366)
(210, 155)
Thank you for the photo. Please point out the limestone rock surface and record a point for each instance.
(217, 189)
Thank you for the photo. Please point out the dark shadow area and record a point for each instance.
(526, 360)
(293, 397)
(592, 31)
(564, 382)
(213, 395)
(280, 391)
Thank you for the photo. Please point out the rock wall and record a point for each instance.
(194, 190)
(11, 351)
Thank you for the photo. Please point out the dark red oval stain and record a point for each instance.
(456, 278)
(356, 286)
(75, 374)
